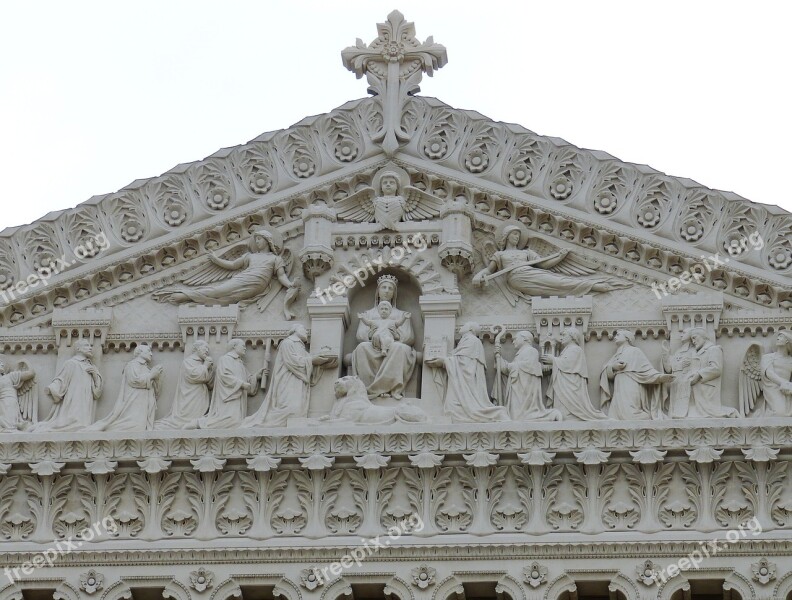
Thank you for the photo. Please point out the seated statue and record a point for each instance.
(384, 375)
(466, 399)
(629, 384)
(766, 380)
(137, 399)
(352, 405)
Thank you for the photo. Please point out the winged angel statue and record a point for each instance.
(391, 200)
(766, 380)
(244, 274)
(521, 272)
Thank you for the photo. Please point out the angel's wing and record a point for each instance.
(27, 394)
(486, 250)
(419, 205)
(265, 299)
(357, 207)
(211, 273)
(750, 382)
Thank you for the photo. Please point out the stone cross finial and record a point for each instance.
(394, 64)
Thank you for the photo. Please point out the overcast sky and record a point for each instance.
(94, 95)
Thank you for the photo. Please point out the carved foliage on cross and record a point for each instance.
(394, 64)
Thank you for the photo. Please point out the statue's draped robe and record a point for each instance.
(137, 401)
(636, 393)
(568, 391)
(192, 395)
(253, 280)
(290, 387)
(533, 281)
(466, 397)
(9, 401)
(355, 407)
(776, 402)
(384, 375)
(524, 388)
(229, 400)
(75, 394)
(705, 395)
(679, 388)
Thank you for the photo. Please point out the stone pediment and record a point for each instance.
(643, 224)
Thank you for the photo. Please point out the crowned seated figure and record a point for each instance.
(385, 374)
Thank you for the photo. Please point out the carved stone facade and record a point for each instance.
(399, 350)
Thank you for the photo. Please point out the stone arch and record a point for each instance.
(450, 586)
(622, 583)
(176, 590)
(117, 591)
(340, 587)
(784, 587)
(509, 585)
(559, 585)
(226, 589)
(287, 590)
(418, 266)
(11, 592)
(66, 591)
(671, 587)
(740, 584)
(397, 589)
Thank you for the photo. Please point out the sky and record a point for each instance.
(96, 94)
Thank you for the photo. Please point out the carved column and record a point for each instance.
(439, 314)
(329, 321)
(317, 255)
(456, 249)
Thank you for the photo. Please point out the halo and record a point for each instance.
(502, 232)
(391, 168)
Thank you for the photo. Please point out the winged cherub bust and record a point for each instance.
(391, 200)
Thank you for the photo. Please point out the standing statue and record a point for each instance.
(524, 383)
(466, 398)
(384, 330)
(294, 373)
(352, 405)
(240, 276)
(568, 389)
(521, 272)
(706, 368)
(678, 365)
(766, 381)
(18, 396)
(384, 375)
(76, 388)
(192, 392)
(391, 200)
(232, 386)
(137, 399)
(630, 384)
